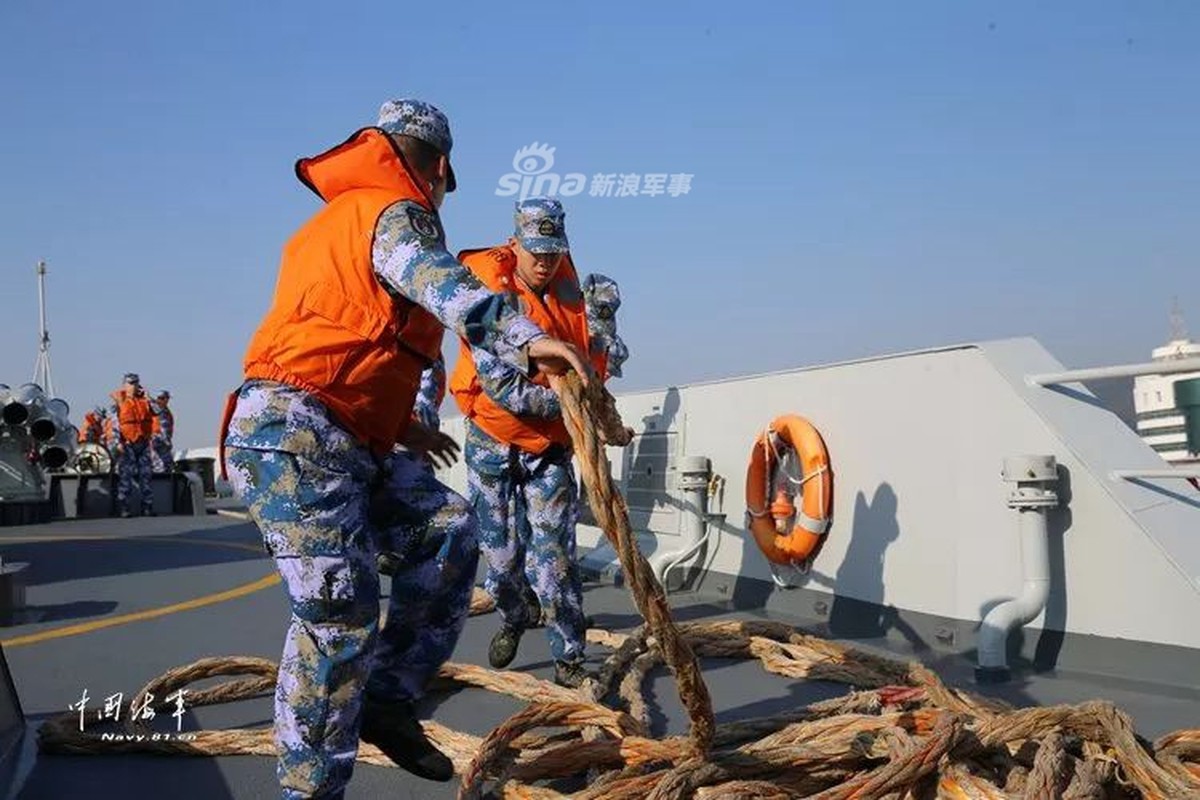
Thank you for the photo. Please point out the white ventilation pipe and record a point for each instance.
(694, 472)
(1033, 497)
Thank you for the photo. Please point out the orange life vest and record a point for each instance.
(560, 311)
(333, 330)
(135, 418)
(91, 430)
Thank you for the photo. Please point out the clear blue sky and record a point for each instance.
(868, 177)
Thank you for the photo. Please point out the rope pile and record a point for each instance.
(899, 733)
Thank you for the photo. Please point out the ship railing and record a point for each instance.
(1171, 366)
(1167, 367)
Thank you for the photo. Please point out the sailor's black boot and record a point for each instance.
(570, 674)
(533, 609)
(388, 563)
(504, 647)
(394, 729)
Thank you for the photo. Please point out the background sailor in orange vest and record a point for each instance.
(93, 430)
(517, 449)
(133, 423)
(364, 290)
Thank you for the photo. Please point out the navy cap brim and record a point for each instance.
(451, 180)
(545, 244)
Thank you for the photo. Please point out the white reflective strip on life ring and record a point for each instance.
(817, 526)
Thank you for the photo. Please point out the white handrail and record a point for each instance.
(1168, 367)
(1170, 472)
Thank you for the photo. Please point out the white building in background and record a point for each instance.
(1159, 423)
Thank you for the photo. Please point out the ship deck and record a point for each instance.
(112, 604)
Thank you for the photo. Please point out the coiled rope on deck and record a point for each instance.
(899, 734)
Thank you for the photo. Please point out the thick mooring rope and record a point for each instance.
(899, 734)
(590, 431)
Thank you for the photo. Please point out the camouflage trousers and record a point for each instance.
(324, 527)
(134, 468)
(163, 458)
(527, 511)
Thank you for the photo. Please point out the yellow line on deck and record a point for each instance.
(149, 613)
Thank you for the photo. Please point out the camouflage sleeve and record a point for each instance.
(114, 413)
(513, 391)
(411, 260)
(603, 298)
(430, 394)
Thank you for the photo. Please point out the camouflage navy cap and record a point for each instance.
(420, 120)
(541, 225)
(163, 393)
(132, 377)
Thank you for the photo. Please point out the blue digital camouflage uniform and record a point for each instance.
(540, 224)
(427, 407)
(426, 410)
(528, 505)
(134, 466)
(326, 508)
(160, 444)
(603, 298)
(525, 398)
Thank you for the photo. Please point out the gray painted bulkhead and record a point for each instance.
(922, 543)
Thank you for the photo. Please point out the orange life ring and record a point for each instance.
(769, 520)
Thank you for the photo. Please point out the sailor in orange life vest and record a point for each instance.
(133, 426)
(92, 431)
(517, 447)
(364, 290)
